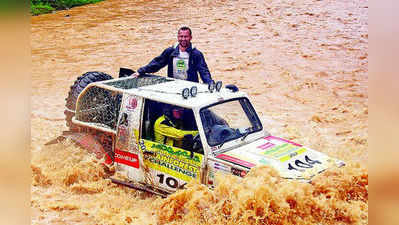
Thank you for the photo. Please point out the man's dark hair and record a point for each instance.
(185, 28)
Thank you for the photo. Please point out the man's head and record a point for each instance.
(174, 112)
(177, 113)
(184, 37)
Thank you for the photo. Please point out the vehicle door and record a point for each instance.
(127, 155)
(169, 167)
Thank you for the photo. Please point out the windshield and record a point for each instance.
(229, 120)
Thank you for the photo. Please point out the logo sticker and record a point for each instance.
(127, 158)
(180, 64)
(132, 103)
(238, 172)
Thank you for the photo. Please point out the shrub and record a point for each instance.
(41, 9)
(46, 6)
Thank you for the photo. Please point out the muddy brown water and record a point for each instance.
(304, 64)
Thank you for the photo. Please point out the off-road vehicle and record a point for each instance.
(116, 116)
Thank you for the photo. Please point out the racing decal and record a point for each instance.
(284, 152)
(131, 103)
(169, 181)
(221, 167)
(309, 163)
(238, 172)
(292, 160)
(235, 160)
(264, 152)
(124, 121)
(123, 133)
(266, 145)
(127, 158)
(292, 154)
(129, 122)
(127, 155)
(215, 167)
(248, 155)
(280, 149)
(306, 165)
(176, 162)
(133, 140)
(270, 138)
(179, 153)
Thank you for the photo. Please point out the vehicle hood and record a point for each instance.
(291, 160)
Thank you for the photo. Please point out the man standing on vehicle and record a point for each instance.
(183, 59)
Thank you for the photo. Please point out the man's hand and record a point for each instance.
(135, 74)
(188, 142)
(141, 71)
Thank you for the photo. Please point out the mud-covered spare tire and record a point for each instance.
(76, 89)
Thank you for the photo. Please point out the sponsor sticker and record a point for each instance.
(279, 139)
(266, 145)
(176, 162)
(127, 158)
(131, 103)
(238, 172)
(284, 152)
(292, 154)
(222, 167)
(235, 160)
(123, 138)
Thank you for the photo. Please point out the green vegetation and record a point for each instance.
(46, 6)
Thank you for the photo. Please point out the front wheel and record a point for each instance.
(79, 85)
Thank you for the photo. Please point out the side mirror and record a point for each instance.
(232, 87)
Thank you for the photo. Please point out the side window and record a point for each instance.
(152, 111)
(169, 124)
(99, 106)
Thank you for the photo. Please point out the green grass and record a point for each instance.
(46, 6)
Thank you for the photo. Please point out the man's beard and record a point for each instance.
(184, 43)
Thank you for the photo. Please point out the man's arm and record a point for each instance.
(203, 69)
(157, 63)
(174, 133)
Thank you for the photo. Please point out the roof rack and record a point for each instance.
(136, 82)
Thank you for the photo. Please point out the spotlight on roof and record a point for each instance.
(185, 93)
(232, 87)
(193, 91)
(218, 86)
(211, 86)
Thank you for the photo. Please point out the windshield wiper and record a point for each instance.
(247, 130)
(220, 146)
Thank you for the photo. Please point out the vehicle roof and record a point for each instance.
(169, 90)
